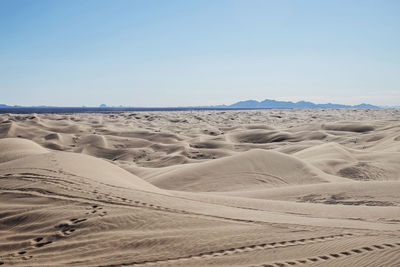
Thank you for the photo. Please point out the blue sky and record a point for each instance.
(178, 53)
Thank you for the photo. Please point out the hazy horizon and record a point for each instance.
(198, 53)
(218, 104)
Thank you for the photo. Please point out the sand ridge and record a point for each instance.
(196, 188)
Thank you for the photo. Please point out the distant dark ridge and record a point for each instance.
(241, 105)
(28, 110)
(268, 103)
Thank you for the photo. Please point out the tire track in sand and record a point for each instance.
(331, 256)
(242, 249)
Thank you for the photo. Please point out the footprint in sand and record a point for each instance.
(95, 209)
(42, 244)
(67, 228)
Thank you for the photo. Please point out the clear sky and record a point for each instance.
(198, 52)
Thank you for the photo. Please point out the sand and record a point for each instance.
(201, 188)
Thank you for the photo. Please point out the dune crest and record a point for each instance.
(255, 168)
(15, 148)
(22, 154)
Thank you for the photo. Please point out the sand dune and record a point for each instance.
(15, 148)
(197, 188)
(32, 157)
(348, 127)
(253, 169)
(335, 159)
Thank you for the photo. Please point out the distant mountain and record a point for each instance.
(7, 106)
(247, 104)
(268, 103)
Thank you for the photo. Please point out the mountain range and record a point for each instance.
(269, 103)
(247, 104)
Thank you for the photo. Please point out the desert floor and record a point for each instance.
(199, 188)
